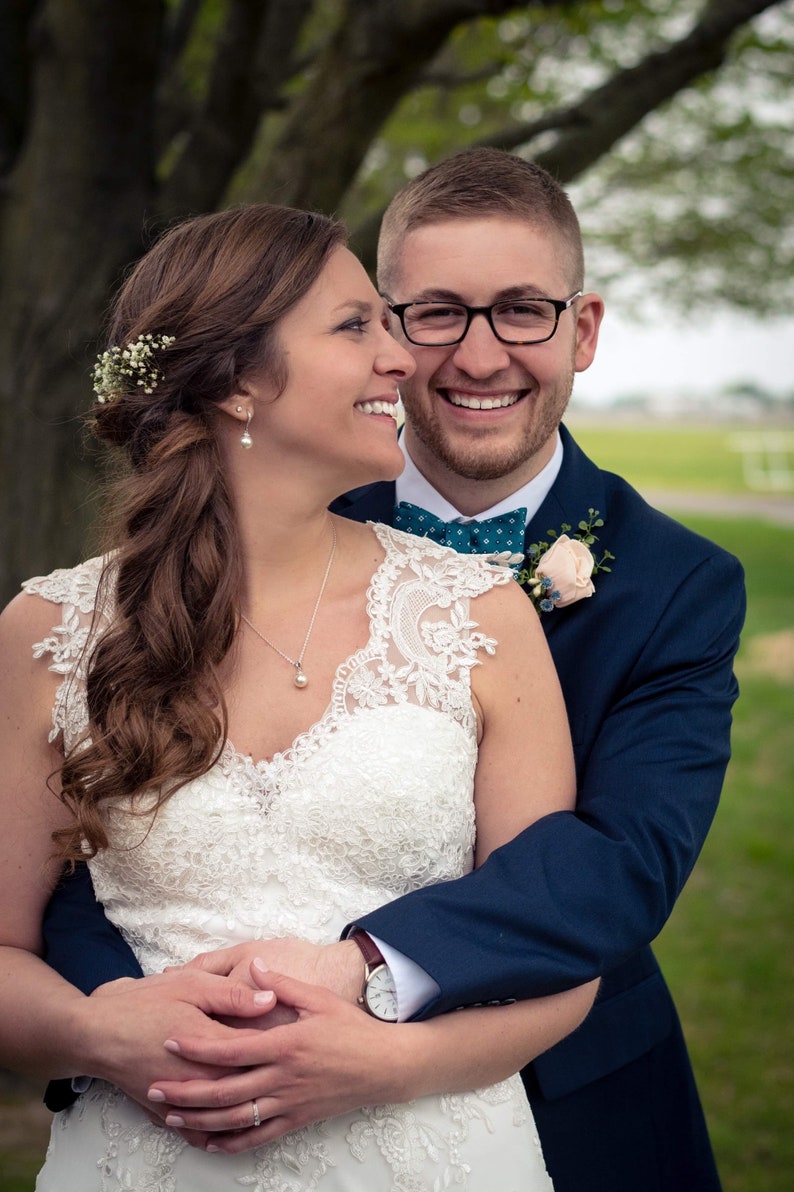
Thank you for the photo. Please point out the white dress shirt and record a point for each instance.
(412, 486)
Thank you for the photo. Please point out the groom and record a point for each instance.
(481, 261)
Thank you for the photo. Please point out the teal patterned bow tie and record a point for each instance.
(504, 533)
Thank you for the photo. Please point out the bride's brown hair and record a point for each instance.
(219, 285)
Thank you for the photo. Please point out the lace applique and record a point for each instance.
(76, 586)
(75, 590)
(409, 1143)
(373, 801)
(419, 1146)
(296, 1162)
(348, 825)
(125, 1142)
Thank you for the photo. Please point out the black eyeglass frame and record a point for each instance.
(560, 306)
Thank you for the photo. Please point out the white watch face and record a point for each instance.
(381, 994)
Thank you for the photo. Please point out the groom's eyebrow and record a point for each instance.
(526, 291)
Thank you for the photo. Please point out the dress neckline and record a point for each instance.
(304, 741)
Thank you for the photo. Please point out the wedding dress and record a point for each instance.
(372, 801)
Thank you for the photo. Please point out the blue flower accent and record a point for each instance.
(546, 605)
(546, 582)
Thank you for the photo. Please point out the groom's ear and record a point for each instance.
(589, 313)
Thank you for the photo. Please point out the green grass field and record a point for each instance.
(727, 948)
(659, 456)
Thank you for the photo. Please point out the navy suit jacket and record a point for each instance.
(646, 670)
(646, 667)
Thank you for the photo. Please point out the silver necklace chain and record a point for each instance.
(301, 679)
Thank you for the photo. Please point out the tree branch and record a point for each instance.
(252, 62)
(375, 56)
(449, 79)
(589, 128)
(176, 32)
(595, 124)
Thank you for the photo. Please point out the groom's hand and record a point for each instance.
(337, 966)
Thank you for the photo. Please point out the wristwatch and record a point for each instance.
(378, 993)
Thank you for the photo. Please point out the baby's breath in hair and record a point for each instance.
(135, 361)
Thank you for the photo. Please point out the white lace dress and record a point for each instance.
(372, 801)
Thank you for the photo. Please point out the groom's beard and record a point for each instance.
(474, 458)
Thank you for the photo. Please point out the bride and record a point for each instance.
(258, 720)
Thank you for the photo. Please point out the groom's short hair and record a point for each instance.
(474, 184)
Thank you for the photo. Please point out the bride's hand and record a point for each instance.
(333, 1059)
(124, 1024)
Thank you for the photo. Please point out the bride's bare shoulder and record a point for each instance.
(25, 619)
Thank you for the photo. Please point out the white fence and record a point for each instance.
(767, 459)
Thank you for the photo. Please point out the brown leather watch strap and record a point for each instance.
(369, 949)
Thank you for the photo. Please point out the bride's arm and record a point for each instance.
(33, 999)
(335, 1057)
(47, 1027)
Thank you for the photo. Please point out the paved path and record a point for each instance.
(779, 509)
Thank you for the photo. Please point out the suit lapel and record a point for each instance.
(373, 502)
(578, 488)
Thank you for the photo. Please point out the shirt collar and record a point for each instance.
(412, 486)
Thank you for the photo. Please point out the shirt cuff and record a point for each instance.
(415, 987)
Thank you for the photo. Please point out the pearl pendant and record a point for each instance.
(300, 679)
(246, 440)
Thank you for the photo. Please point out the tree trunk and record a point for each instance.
(71, 219)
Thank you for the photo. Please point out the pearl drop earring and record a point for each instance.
(245, 439)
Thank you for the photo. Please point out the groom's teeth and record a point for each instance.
(377, 407)
(484, 403)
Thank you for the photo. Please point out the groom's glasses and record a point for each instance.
(517, 321)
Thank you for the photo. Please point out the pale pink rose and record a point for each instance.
(569, 564)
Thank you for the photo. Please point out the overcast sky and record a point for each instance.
(696, 358)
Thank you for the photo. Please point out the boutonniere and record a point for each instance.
(560, 572)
